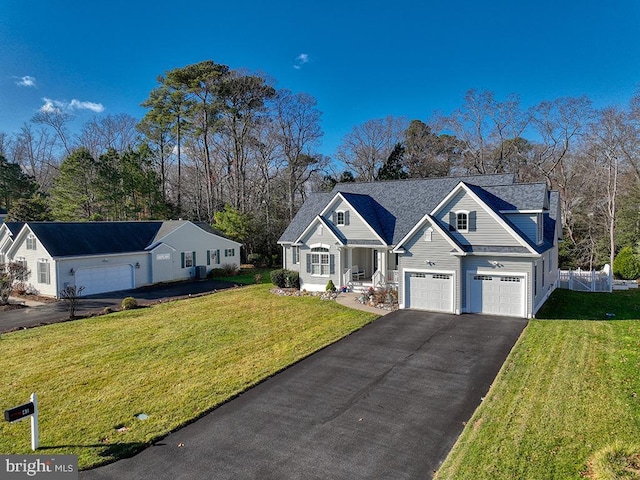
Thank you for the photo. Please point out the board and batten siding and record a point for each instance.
(355, 228)
(487, 231)
(473, 265)
(419, 251)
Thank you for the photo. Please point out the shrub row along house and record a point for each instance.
(110, 256)
(480, 244)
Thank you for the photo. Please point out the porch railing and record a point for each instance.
(378, 279)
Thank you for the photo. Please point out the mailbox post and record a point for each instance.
(20, 412)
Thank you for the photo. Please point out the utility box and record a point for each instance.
(201, 272)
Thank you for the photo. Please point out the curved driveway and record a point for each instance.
(388, 401)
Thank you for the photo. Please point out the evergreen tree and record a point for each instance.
(393, 168)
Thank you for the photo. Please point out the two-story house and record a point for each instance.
(480, 244)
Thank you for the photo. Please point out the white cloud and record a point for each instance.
(94, 107)
(57, 106)
(26, 81)
(51, 106)
(301, 60)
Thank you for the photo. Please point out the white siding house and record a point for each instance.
(111, 256)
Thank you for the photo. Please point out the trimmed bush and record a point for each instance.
(277, 277)
(330, 287)
(216, 273)
(285, 278)
(291, 279)
(626, 265)
(129, 303)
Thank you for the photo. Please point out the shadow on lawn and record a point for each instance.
(110, 452)
(569, 305)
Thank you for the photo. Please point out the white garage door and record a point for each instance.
(498, 295)
(105, 279)
(429, 291)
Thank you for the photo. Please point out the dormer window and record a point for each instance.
(462, 221)
(31, 242)
(341, 218)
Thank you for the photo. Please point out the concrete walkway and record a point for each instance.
(350, 299)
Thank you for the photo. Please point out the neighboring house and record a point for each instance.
(481, 244)
(110, 256)
(3, 214)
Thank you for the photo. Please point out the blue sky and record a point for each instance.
(360, 60)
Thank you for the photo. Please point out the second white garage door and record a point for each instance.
(497, 294)
(429, 291)
(105, 279)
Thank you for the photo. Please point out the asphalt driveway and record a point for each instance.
(388, 401)
(58, 311)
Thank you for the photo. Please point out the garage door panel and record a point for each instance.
(105, 279)
(429, 291)
(497, 294)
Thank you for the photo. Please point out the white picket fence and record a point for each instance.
(586, 280)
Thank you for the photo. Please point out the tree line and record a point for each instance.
(226, 147)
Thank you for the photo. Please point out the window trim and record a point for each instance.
(47, 272)
(31, 242)
(321, 262)
(295, 254)
(460, 215)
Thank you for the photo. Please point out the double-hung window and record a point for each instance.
(31, 242)
(320, 261)
(44, 271)
(295, 252)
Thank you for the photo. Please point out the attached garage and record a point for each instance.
(429, 291)
(104, 279)
(497, 294)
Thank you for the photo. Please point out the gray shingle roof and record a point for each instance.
(404, 202)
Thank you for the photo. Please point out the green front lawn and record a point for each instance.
(172, 362)
(569, 391)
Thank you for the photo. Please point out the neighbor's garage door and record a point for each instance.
(105, 279)
(429, 291)
(497, 295)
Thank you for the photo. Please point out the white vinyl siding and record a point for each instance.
(44, 271)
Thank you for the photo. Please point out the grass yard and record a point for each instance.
(172, 362)
(567, 401)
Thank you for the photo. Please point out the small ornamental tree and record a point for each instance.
(71, 295)
(626, 265)
(11, 275)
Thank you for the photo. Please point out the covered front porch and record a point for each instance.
(368, 267)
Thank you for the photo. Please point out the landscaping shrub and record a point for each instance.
(330, 287)
(216, 273)
(291, 279)
(257, 278)
(129, 303)
(626, 265)
(277, 277)
(230, 269)
(285, 278)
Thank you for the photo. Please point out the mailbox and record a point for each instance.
(18, 413)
